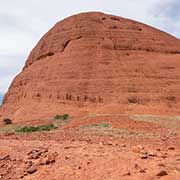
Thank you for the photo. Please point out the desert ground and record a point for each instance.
(94, 147)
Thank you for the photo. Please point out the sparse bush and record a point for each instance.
(30, 129)
(7, 121)
(62, 117)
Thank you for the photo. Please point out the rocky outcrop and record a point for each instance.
(92, 60)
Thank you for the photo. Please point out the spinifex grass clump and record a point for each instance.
(63, 117)
(29, 129)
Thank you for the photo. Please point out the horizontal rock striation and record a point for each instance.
(92, 60)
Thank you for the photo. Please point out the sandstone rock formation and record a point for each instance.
(93, 62)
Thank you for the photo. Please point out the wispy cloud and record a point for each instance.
(10, 65)
(169, 8)
(166, 14)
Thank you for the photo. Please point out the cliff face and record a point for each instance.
(91, 61)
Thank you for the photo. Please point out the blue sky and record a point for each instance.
(1, 96)
(24, 22)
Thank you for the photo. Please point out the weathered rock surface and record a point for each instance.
(92, 61)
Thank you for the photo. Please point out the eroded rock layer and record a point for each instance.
(93, 62)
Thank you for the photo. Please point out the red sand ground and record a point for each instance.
(127, 150)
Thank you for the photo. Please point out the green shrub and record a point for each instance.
(29, 129)
(62, 117)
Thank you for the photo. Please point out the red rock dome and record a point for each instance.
(93, 62)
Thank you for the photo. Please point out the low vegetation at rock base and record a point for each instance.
(30, 129)
(63, 117)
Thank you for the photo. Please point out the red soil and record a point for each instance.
(92, 153)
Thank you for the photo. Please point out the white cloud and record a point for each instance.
(166, 15)
(9, 67)
(5, 83)
(24, 22)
